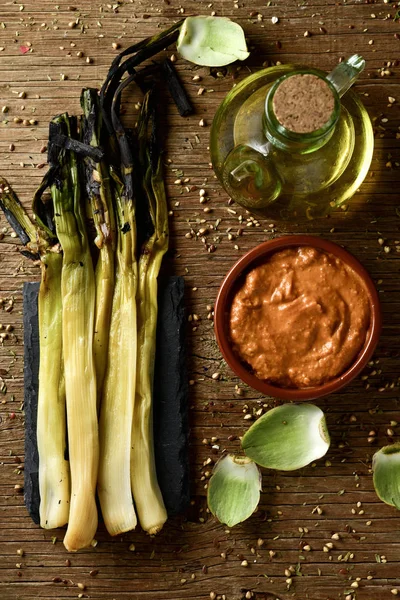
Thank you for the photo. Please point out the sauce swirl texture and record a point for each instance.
(300, 318)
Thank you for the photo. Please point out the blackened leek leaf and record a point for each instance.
(211, 41)
(234, 489)
(287, 437)
(16, 214)
(386, 469)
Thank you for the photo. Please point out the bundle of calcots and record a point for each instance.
(98, 310)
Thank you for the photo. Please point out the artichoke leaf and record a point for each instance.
(386, 474)
(211, 41)
(287, 437)
(234, 489)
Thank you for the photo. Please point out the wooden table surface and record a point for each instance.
(196, 557)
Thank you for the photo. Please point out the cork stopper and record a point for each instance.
(303, 103)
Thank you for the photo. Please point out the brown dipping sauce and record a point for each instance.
(300, 318)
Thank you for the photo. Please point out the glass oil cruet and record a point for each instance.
(292, 142)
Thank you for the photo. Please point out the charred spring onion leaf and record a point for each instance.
(142, 51)
(176, 89)
(16, 214)
(62, 141)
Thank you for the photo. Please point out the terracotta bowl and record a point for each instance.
(223, 302)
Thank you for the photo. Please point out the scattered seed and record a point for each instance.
(202, 123)
(274, 20)
(244, 563)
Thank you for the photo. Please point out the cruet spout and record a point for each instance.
(344, 75)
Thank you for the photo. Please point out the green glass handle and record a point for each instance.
(344, 75)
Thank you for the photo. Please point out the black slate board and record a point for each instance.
(31, 380)
(171, 392)
(170, 398)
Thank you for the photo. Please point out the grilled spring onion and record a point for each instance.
(114, 484)
(148, 499)
(54, 477)
(78, 306)
(147, 495)
(54, 474)
(98, 189)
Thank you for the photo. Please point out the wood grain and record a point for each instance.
(195, 556)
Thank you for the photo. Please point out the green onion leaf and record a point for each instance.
(234, 489)
(386, 470)
(211, 41)
(287, 437)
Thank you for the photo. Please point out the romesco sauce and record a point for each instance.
(300, 318)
